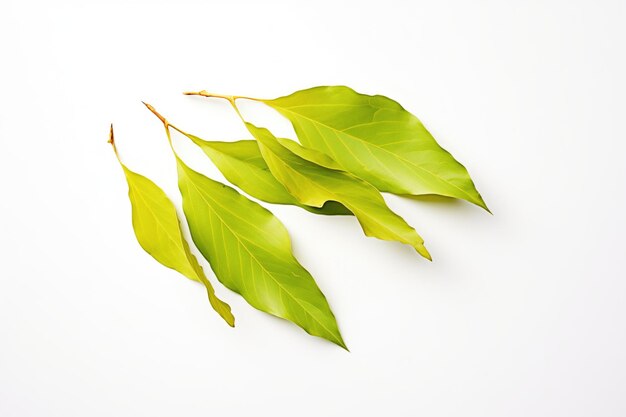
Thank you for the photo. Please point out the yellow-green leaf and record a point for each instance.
(376, 139)
(242, 164)
(250, 252)
(157, 228)
(314, 185)
(320, 158)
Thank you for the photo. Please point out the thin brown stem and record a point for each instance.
(205, 93)
(230, 99)
(112, 142)
(156, 113)
(166, 125)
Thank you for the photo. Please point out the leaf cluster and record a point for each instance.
(350, 148)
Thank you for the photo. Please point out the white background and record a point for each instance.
(521, 313)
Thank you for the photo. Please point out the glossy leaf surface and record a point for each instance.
(376, 139)
(157, 228)
(314, 185)
(250, 252)
(242, 164)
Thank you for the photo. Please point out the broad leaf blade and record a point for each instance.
(314, 185)
(157, 228)
(243, 165)
(376, 139)
(250, 252)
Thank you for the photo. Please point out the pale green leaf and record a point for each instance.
(157, 228)
(314, 185)
(250, 252)
(376, 139)
(242, 164)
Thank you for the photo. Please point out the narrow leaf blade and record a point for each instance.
(250, 252)
(243, 165)
(314, 185)
(157, 228)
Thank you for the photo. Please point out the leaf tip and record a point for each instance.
(480, 202)
(228, 316)
(229, 319)
(338, 340)
(421, 249)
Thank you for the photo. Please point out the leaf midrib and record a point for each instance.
(255, 171)
(405, 161)
(349, 205)
(241, 243)
(176, 242)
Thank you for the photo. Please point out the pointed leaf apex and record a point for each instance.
(342, 344)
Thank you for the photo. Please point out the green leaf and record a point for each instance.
(242, 164)
(250, 252)
(376, 139)
(310, 154)
(314, 185)
(157, 228)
